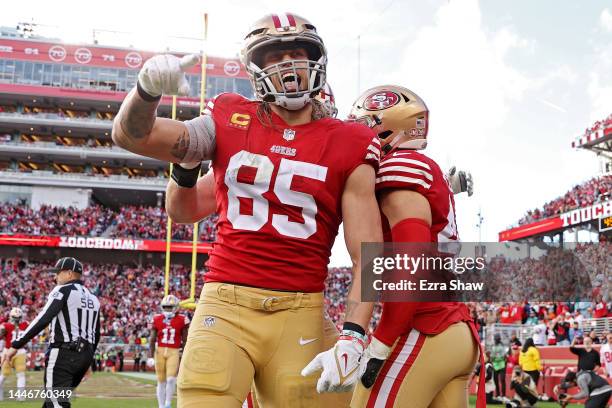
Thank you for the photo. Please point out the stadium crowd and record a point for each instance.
(592, 191)
(130, 222)
(128, 294)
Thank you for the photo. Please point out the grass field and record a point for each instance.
(108, 390)
(101, 390)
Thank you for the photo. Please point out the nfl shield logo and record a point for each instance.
(209, 321)
(289, 134)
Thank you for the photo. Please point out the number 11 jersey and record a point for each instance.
(278, 193)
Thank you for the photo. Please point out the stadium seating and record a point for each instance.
(587, 193)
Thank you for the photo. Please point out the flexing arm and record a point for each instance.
(136, 127)
(188, 205)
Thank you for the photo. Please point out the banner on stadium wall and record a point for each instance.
(122, 244)
(565, 220)
(89, 55)
(88, 94)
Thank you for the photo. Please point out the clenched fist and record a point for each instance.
(165, 74)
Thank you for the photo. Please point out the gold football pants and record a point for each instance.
(166, 363)
(18, 362)
(424, 371)
(242, 335)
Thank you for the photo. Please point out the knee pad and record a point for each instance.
(207, 363)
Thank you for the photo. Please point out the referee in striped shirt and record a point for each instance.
(74, 315)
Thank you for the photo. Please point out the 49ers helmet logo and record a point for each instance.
(381, 100)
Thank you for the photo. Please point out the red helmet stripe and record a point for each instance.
(276, 20)
(291, 19)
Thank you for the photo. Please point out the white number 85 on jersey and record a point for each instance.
(282, 189)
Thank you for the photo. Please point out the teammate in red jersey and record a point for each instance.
(168, 335)
(9, 332)
(421, 354)
(285, 176)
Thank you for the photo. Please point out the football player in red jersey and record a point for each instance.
(9, 332)
(168, 335)
(421, 354)
(285, 176)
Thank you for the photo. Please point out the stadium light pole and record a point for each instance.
(479, 225)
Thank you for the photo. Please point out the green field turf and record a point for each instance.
(108, 390)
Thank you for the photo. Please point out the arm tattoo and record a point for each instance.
(137, 116)
(179, 150)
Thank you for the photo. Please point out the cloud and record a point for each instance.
(460, 70)
(600, 83)
(605, 20)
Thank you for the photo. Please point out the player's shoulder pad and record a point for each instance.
(229, 99)
(407, 169)
(351, 130)
(359, 141)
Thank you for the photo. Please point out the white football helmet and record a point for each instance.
(169, 306)
(398, 115)
(16, 314)
(327, 100)
(287, 31)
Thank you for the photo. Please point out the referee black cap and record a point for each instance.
(67, 263)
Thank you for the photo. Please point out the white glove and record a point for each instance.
(150, 362)
(340, 365)
(165, 74)
(460, 181)
(372, 361)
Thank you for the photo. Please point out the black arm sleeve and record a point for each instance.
(57, 300)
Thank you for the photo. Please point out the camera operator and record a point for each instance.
(526, 393)
(594, 388)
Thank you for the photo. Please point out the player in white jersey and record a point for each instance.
(605, 355)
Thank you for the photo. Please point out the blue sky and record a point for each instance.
(509, 84)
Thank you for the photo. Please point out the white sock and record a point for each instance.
(21, 381)
(1, 387)
(161, 394)
(170, 387)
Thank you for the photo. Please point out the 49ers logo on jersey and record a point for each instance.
(381, 100)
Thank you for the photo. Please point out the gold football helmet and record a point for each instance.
(287, 31)
(169, 305)
(398, 115)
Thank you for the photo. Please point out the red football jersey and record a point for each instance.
(12, 333)
(278, 193)
(170, 331)
(410, 170)
(403, 169)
